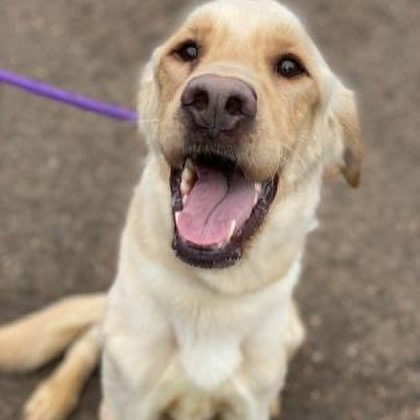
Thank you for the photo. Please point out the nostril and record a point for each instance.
(195, 97)
(234, 106)
(200, 100)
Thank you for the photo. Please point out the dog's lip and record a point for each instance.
(226, 254)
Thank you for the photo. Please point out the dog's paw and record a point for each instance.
(49, 402)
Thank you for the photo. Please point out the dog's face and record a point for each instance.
(241, 105)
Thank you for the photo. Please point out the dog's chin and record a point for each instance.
(216, 209)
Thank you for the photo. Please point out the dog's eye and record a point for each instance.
(290, 67)
(188, 51)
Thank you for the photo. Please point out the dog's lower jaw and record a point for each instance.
(268, 255)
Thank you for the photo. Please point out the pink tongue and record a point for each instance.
(216, 200)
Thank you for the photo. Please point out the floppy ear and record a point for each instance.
(148, 95)
(345, 125)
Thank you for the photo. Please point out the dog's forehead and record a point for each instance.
(251, 15)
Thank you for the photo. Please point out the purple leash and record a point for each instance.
(69, 98)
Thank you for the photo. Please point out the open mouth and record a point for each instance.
(216, 209)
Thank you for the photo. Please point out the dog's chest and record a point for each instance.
(208, 356)
(207, 368)
(210, 336)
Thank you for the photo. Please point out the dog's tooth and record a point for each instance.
(258, 189)
(185, 187)
(187, 180)
(188, 174)
(177, 214)
(232, 229)
(229, 236)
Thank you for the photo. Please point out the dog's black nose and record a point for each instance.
(219, 104)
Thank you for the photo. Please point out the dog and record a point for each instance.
(243, 119)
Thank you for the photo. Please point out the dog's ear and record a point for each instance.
(345, 126)
(148, 94)
(147, 77)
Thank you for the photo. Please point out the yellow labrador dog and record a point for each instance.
(243, 118)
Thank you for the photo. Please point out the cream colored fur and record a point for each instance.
(189, 343)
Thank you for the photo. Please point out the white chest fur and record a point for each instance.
(193, 342)
(208, 329)
(210, 340)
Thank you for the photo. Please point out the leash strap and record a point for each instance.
(50, 92)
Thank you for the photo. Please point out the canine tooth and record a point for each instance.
(232, 229)
(256, 198)
(185, 187)
(184, 200)
(229, 236)
(188, 174)
(177, 214)
(258, 189)
(186, 181)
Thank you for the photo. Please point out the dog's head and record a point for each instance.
(241, 105)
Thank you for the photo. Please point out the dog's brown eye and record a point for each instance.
(290, 67)
(188, 52)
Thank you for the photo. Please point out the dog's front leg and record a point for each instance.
(138, 345)
(267, 353)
